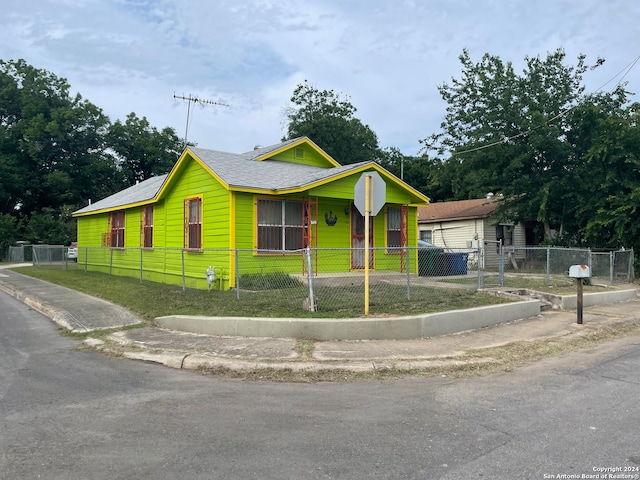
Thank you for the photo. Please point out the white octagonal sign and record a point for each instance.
(377, 193)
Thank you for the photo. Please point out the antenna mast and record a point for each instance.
(200, 101)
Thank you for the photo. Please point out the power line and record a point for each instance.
(191, 99)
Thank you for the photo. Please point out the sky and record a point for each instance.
(386, 56)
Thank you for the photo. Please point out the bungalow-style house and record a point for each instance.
(269, 204)
(469, 224)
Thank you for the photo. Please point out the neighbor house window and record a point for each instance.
(504, 233)
(425, 235)
(116, 220)
(193, 223)
(147, 226)
(279, 225)
(394, 227)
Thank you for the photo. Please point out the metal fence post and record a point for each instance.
(312, 298)
(611, 265)
(141, 250)
(184, 285)
(547, 279)
(480, 264)
(110, 261)
(237, 267)
(501, 265)
(408, 264)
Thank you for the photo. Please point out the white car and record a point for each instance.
(72, 252)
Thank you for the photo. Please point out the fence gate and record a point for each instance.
(491, 264)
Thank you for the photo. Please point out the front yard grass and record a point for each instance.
(150, 300)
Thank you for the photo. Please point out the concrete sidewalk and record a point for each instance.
(68, 308)
(80, 312)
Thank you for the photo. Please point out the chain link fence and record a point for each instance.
(20, 253)
(334, 279)
(552, 263)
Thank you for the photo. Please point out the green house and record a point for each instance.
(258, 210)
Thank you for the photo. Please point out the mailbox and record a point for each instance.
(579, 271)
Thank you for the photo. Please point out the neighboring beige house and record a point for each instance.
(467, 224)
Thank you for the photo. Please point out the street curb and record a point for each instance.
(204, 362)
(196, 361)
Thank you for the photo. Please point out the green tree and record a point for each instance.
(143, 151)
(327, 118)
(7, 232)
(52, 150)
(425, 174)
(58, 152)
(607, 133)
(507, 133)
(49, 226)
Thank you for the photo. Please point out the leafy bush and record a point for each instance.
(268, 281)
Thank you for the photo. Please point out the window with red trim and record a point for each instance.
(116, 220)
(193, 223)
(147, 226)
(394, 227)
(279, 225)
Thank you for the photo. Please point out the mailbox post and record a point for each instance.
(579, 272)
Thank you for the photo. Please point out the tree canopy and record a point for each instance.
(327, 118)
(58, 151)
(143, 151)
(533, 137)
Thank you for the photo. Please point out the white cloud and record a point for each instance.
(387, 56)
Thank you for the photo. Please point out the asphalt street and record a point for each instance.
(70, 412)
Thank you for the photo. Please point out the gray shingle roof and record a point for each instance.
(141, 192)
(239, 171)
(244, 171)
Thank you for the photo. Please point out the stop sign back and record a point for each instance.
(377, 193)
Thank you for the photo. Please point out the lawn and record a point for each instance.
(151, 300)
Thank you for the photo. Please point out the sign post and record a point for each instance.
(369, 196)
(367, 213)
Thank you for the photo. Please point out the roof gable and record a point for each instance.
(457, 210)
(298, 150)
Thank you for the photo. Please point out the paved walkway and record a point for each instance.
(79, 312)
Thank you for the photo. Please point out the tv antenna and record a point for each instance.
(192, 99)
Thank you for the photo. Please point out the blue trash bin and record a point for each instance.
(458, 263)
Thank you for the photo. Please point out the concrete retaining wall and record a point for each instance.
(397, 328)
(570, 302)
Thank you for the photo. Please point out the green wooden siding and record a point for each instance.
(344, 188)
(167, 260)
(309, 156)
